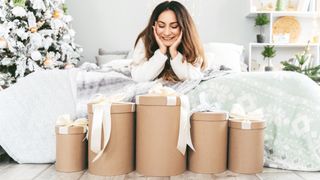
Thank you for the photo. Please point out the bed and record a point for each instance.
(290, 102)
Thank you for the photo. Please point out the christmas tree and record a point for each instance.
(35, 35)
(302, 64)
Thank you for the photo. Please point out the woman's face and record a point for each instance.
(167, 27)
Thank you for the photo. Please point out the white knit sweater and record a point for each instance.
(148, 70)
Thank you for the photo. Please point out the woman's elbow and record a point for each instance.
(198, 75)
(139, 77)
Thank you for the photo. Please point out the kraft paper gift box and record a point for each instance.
(209, 134)
(71, 148)
(246, 146)
(116, 155)
(158, 125)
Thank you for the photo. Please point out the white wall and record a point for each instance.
(115, 24)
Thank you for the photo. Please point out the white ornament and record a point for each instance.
(21, 66)
(2, 13)
(36, 55)
(66, 37)
(38, 4)
(31, 20)
(35, 40)
(56, 24)
(5, 61)
(3, 30)
(2, 82)
(47, 14)
(47, 42)
(19, 11)
(67, 18)
(72, 32)
(22, 33)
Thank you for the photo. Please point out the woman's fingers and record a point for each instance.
(178, 41)
(155, 34)
(162, 47)
(180, 37)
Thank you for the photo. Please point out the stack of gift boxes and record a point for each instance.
(151, 137)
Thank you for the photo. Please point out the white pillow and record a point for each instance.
(102, 51)
(118, 63)
(226, 54)
(103, 59)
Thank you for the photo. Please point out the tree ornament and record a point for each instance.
(56, 14)
(68, 66)
(3, 43)
(33, 29)
(48, 63)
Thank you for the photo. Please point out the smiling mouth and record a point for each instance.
(168, 38)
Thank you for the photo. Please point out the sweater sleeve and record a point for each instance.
(185, 70)
(143, 69)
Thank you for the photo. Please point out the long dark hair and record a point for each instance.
(190, 46)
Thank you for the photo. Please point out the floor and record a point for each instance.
(10, 170)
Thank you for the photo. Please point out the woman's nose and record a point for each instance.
(167, 31)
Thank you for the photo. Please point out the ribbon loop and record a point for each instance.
(238, 112)
(65, 121)
(101, 120)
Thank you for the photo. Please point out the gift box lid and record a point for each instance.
(70, 130)
(251, 124)
(155, 100)
(210, 116)
(117, 108)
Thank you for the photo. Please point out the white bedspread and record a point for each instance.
(28, 111)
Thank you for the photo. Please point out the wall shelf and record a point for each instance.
(309, 29)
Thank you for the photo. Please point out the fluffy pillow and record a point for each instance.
(102, 51)
(103, 59)
(225, 54)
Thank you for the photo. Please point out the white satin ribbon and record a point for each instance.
(64, 121)
(184, 137)
(101, 120)
(238, 112)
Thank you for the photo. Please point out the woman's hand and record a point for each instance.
(173, 48)
(162, 47)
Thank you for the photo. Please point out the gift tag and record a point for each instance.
(246, 124)
(171, 100)
(63, 130)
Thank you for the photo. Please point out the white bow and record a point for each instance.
(238, 112)
(65, 121)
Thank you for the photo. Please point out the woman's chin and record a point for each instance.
(168, 44)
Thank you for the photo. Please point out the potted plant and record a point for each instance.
(268, 53)
(261, 20)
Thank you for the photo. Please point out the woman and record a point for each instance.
(169, 47)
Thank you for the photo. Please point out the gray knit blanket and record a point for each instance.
(29, 108)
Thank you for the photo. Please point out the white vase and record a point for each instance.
(269, 66)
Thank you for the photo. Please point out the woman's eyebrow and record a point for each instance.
(173, 23)
(165, 23)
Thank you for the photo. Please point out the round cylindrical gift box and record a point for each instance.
(158, 119)
(209, 134)
(71, 149)
(246, 146)
(118, 157)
